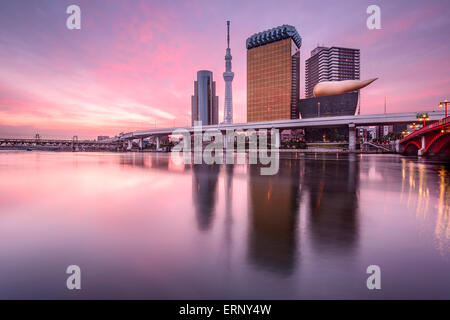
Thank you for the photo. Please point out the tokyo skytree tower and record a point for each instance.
(228, 76)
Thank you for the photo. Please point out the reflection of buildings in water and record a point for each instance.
(418, 187)
(416, 179)
(273, 206)
(228, 222)
(126, 159)
(229, 170)
(204, 184)
(139, 160)
(442, 231)
(403, 170)
(135, 159)
(418, 190)
(160, 161)
(149, 160)
(423, 192)
(333, 192)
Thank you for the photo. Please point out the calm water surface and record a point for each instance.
(141, 226)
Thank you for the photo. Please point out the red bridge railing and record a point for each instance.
(427, 128)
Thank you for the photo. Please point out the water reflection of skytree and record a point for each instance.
(228, 190)
(273, 206)
(333, 201)
(204, 183)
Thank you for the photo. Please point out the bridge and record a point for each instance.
(56, 144)
(352, 122)
(431, 139)
(423, 141)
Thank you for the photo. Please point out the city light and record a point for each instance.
(444, 105)
(423, 117)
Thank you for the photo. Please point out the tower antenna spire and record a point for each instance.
(228, 34)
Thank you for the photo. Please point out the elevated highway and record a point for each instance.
(321, 122)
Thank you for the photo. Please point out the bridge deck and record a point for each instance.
(432, 126)
(358, 120)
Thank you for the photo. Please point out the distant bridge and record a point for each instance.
(56, 144)
(321, 122)
(431, 139)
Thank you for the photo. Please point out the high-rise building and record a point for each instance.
(228, 76)
(383, 131)
(273, 74)
(205, 103)
(330, 64)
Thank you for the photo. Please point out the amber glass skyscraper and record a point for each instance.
(273, 74)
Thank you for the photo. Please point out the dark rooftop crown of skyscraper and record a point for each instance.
(275, 34)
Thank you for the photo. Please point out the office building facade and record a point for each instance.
(204, 102)
(331, 64)
(273, 74)
(329, 106)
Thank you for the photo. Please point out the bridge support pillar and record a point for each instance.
(398, 146)
(158, 143)
(141, 144)
(351, 137)
(277, 140)
(423, 144)
(224, 139)
(129, 144)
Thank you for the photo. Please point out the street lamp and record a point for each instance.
(318, 110)
(423, 116)
(444, 104)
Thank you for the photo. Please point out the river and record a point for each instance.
(140, 225)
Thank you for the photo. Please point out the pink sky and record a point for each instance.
(133, 63)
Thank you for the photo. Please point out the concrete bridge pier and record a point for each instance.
(158, 143)
(398, 146)
(277, 140)
(351, 137)
(224, 139)
(141, 144)
(129, 144)
(423, 146)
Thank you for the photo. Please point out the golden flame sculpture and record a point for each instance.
(328, 88)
